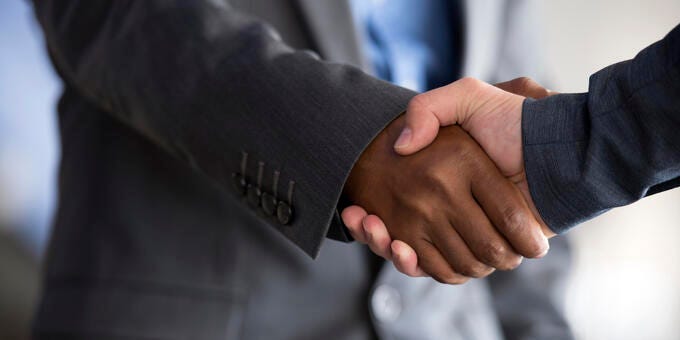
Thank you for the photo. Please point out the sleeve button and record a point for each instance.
(254, 194)
(284, 212)
(268, 203)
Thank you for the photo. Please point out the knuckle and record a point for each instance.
(457, 280)
(494, 253)
(444, 274)
(427, 213)
(469, 82)
(473, 269)
(432, 176)
(523, 83)
(450, 278)
(516, 261)
(534, 249)
(436, 181)
(510, 263)
(529, 87)
(418, 103)
(514, 220)
(524, 80)
(438, 279)
(465, 150)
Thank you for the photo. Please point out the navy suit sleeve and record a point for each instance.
(587, 153)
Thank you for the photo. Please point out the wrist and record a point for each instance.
(377, 153)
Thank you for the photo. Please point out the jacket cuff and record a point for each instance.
(338, 230)
(554, 136)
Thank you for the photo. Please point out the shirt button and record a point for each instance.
(268, 203)
(284, 212)
(254, 194)
(386, 303)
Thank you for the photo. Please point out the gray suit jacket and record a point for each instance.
(158, 234)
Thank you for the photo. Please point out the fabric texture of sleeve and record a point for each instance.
(587, 153)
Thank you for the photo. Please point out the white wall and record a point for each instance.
(626, 280)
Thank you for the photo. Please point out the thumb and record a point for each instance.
(420, 128)
(428, 111)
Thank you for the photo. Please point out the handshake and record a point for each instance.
(442, 190)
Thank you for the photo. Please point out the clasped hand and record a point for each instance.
(442, 192)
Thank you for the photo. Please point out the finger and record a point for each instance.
(443, 106)
(526, 87)
(420, 127)
(405, 259)
(458, 255)
(353, 216)
(377, 236)
(433, 263)
(524, 188)
(503, 203)
(485, 242)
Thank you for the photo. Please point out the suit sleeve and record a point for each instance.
(210, 84)
(587, 153)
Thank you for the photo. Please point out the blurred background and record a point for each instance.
(626, 274)
(28, 156)
(626, 279)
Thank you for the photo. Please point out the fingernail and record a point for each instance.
(404, 138)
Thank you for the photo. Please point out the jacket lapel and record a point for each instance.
(332, 29)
